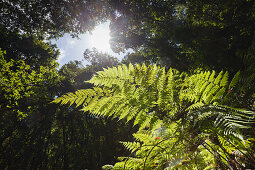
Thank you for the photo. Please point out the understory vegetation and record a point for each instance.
(184, 98)
(185, 120)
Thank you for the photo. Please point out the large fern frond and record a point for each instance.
(204, 87)
(156, 99)
(131, 93)
(226, 118)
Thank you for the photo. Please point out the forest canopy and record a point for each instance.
(183, 99)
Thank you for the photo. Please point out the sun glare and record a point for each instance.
(100, 38)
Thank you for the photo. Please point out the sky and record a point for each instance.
(73, 48)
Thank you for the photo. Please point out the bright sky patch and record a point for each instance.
(100, 38)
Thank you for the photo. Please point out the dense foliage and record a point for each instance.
(34, 133)
(182, 118)
(51, 18)
(192, 118)
(186, 34)
(37, 134)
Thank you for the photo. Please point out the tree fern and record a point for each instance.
(176, 113)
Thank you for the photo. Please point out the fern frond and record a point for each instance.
(78, 97)
(235, 80)
(157, 124)
(160, 87)
(128, 163)
(110, 77)
(131, 146)
(219, 94)
(162, 103)
(146, 122)
(207, 92)
(140, 117)
(204, 87)
(224, 80)
(143, 137)
(195, 106)
(218, 78)
(230, 119)
(211, 79)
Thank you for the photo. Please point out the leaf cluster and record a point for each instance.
(18, 83)
(176, 113)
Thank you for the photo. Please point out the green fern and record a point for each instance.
(234, 80)
(175, 112)
(131, 146)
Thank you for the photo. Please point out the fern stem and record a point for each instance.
(218, 154)
(251, 156)
(153, 148)
(226, 153)
(212, 152)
